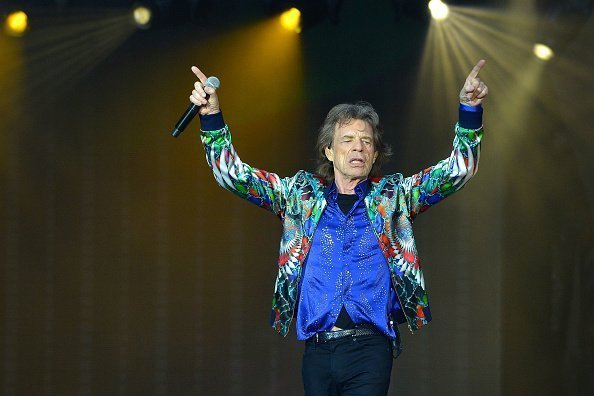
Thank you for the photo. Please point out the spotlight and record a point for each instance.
(542, 51)
(300, 15)
(160, 13)
(439, 10)
(291, 20)
(142, 16)
(16, 23)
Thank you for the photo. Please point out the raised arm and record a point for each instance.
(262, 188)
(433, 184)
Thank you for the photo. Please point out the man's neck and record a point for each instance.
(346, 186)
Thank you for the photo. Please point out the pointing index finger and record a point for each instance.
(201, 76)
(475, 70)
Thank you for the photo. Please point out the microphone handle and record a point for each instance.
(192, 110)
(185, 119)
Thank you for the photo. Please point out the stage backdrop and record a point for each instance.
(125, 269)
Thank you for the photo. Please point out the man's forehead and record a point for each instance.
(353, 126)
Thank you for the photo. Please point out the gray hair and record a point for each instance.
(343, 114)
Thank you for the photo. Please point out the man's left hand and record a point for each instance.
(474, 90)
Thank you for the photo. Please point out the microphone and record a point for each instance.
(192, 110)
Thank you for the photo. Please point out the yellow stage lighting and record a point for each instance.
(543, 52)
(142, 16)
(16, 23)
(439, 10)
(291, 19)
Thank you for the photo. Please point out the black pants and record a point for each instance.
(348, 366)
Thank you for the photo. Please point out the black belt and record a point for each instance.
(326, 336)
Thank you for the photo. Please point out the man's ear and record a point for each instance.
(375, 156)
(329, 153)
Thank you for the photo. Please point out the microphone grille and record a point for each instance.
(213, 82)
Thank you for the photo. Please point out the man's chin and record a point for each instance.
(359, 170)
(359, 176)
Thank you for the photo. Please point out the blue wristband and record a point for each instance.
(470, 117)
(212, 122)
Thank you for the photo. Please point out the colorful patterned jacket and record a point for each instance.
(392, 204)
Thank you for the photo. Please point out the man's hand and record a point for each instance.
(208, 105)
(474, 90)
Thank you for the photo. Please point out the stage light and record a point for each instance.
(142, 16)
(16, 23)
(543, 52)
(439, 10)
(291, 20)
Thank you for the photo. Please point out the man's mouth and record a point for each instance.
(357, 161)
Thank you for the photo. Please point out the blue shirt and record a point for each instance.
(345, 266)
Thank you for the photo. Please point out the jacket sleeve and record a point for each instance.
(433, 184)
(262, 188)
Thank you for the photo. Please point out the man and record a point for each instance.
(348, 268)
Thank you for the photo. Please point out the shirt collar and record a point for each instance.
(361, 189)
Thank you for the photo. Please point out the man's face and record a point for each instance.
(352, 152)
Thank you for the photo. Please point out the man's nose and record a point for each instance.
(358, 145)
